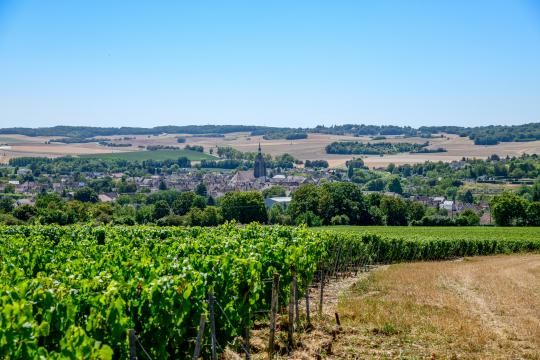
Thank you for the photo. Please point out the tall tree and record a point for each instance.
(162, 184)
(201, 189)
(273, 191)
(533, 214)
(508, 209)
(341, 198)
(86, 194)
(244, 207)
(394, 210)
(305, 198)
(183, 203)
(161, 209)
(6, 205)
(468, 197)
(394, 185)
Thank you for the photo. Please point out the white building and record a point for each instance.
(284, 201)
(448, 205)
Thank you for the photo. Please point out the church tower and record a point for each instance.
(260, 165)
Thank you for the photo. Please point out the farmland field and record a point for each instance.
(312, 148)
(153, 155)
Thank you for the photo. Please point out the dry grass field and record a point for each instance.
(472, 308)
(476, 308)
(312, 148)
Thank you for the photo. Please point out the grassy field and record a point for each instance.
(443, 233)
(477, 308)
(153, 155)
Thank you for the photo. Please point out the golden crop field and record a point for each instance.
(312, 148)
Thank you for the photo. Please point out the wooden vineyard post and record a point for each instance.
(348, 266)
(273, 315)
(132, 345)
(337, 262)
(307, 307)
(296, 305)
(199, 337)
(246, 342)
(321, 294)
(212, 325)
(292, 295)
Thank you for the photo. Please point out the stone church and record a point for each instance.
(260, 165)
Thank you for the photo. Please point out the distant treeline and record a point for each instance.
(316, 164)
(360, 148)
(69, 165)
(284, 161)
(224, 164)
(360, 130)
(429, 151)
(214, 135)
(289, 134)
(482, 135)
(84, 132)
(110, 144)
(197, 148)
(491, 135)
(69, 140)
(161, 147)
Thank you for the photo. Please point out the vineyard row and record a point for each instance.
(75, 291)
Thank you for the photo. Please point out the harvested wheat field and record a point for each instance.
(312, 148)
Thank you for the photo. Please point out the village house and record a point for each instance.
(109, 197)
(448, 205)
(27, 201)
(24, 171)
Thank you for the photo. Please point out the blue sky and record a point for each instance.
(278, 63)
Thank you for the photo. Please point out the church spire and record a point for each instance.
(259, 165)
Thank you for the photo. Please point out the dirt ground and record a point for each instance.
(472, 308)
